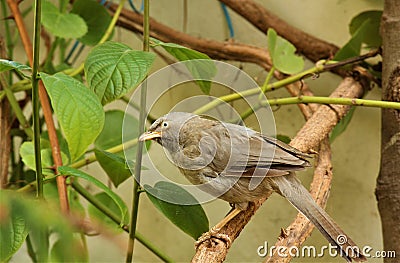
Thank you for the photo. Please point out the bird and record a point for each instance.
(240, 165)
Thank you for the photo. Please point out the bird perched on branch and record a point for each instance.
(240, 165)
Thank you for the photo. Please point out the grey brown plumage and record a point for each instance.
(240, 165)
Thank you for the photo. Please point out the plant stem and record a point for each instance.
(267, 79)
(16, 108)
(142, 120)
(278, 84)
(116, 149)
(329, 100)
(149, 117)
(117, 219)
(99, 205)
(35, 98)
(50, 56)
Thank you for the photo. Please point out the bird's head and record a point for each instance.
(166, 129)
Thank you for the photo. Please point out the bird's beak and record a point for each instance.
(150, 135)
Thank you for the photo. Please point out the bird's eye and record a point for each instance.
(165, 124)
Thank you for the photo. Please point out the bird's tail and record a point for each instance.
(292, 189)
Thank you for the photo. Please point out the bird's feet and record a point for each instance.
(210, 237)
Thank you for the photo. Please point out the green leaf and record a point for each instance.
(371, 36)
(202, 68)
(13, 232)
(62, 25)
(342, 125)
(97, 24)
(78, 110)
(113, 69)
(27, 153)
(111, 135)
(58, 252)
(65, 170)
(191, 219)
(283, 138)
(283, 54)
(114, 166)
(353, 47)
(105, 199)
(6, 65)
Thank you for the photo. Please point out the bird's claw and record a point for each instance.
(213, 234)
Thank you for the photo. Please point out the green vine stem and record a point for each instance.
(265, 85)
(117, 219)
(329, 100)
(35, 98)
(16, 108)
(139, 153)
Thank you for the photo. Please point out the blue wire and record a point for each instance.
(228, 20)
(134, 8)
(72, 51)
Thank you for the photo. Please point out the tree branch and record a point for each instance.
(311, 47)
(215, 49)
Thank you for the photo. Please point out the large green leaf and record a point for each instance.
(113, 69)
(78, 110)
(283, 54)
(202, 68)
(97, 24)
(114, 165)
(65, 170)
(191, 219)
(111, 135)
(105, 199)
(62, 24)
(371, 35)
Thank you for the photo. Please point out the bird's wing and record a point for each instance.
(255, 155)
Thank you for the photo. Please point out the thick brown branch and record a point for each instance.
(215, 49)
(313, 48)
(44, 101)
(388, 182)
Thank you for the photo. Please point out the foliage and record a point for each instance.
(89, 131)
